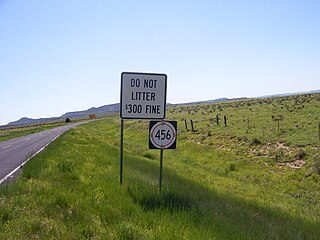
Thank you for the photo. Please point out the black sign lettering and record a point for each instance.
(150, 83)
(143, 96)
(135, 82)
(153, 109)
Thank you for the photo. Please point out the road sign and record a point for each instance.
(143, 95)
(162, 134)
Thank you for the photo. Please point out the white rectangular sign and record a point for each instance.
(143, 95)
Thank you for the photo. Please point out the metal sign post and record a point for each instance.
(161, 164)
(142, 96)
(162, 135)
(121, 151)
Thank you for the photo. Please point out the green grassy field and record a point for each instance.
(234, 182)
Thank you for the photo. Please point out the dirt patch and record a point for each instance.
(281, 146)
(221, 146)
(294, 165)
(268, 149)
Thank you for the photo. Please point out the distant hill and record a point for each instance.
(202, 102)
(113, 108)
(27, 121)
(77, 114)
(98, 111)
(245, 98)
(289, 94)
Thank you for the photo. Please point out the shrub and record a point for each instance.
(68, 120)
(279, 156)
(301, 155)
(255, 141)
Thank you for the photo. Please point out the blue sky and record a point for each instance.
(58, 56)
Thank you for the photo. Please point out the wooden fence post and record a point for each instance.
(192, 127)
(225, 120)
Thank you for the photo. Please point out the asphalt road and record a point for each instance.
(15, 152)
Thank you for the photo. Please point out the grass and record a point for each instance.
(7, 133)
(15, 132)
(229, 184)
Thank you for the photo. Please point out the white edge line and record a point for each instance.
(5, 147)
(21, 165)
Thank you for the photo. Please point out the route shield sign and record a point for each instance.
(162, 134)
(143, 95)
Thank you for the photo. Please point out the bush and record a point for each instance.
(279, 155)
(301, 155)
(68, 120)
(255, 141)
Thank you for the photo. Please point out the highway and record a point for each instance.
(16, 152)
